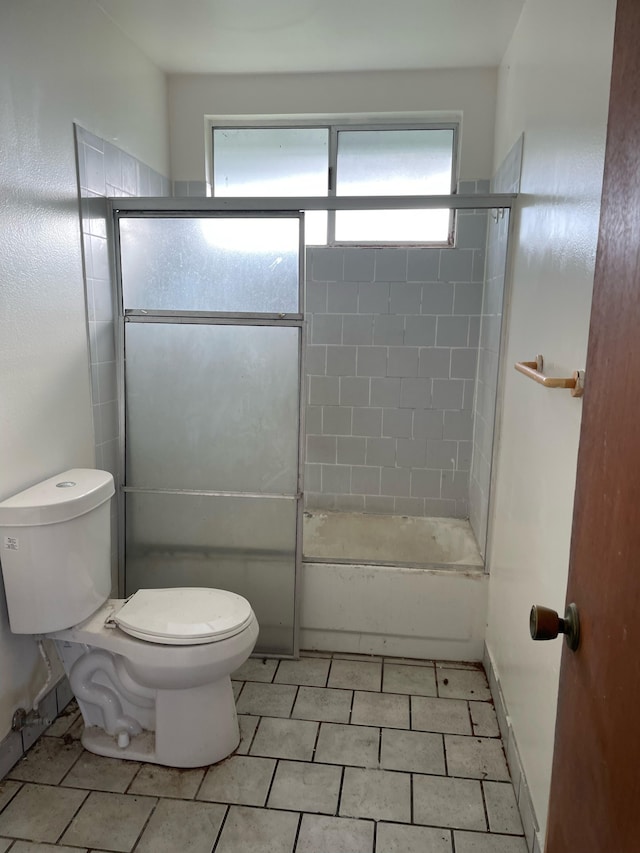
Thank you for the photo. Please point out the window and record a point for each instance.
(353, 160)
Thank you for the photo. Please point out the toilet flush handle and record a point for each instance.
(545, 624)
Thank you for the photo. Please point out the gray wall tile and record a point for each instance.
(458, 425)
(326, 329)
(402, 362)
(382, 505)
(437, 298)
(447, 393)
(428, 424)
(455, 484)
(341, 361)
(336, 479)
(411, 453)
(336, 420)
(423, 264)
(425, 483)
(397, 423)
(367, 422)
(435, 362)
(381, 451)
(324, 390)
(391, 265)
(420, 331)
(415, 394)
(351, 451)
(467, 298)
(365, 481)
(371, 361)
(357, 329)
(442, 454)
(312, 477)
(354, 391)
(456, 265)
(395, 481)
(385, 392)
(405, 298)
(373, 297)
(388, 330)
(359, 264)
(471, 230)
(409, 506)
(326, 264)
(342, 297)
(321, 448)
(463, 363)
(316, 359)
(452, 332)
(316, 297)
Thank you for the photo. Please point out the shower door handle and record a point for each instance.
(545, 624)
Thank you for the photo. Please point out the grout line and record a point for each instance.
(297, 835)
(273, 776)
(75, 814)
(146, 823)
(340, 787)
(222, 823)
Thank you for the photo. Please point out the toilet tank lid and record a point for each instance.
(60, 498)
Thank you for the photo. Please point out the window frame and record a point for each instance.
(334, 127)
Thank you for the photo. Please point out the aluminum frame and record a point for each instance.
(166, 208)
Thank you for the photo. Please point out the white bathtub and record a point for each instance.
(395, 585)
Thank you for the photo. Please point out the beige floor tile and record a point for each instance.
(417, 752)
(241, 779)
(47, 762)
(176, 826)
(319, 834)
(109, 821)
(440, 801)
(483, 719)
(415, 680)
(473, 842)
(341, 744)
(40, 812)
(98, 773)
(237, 686)
(376, 794)
(5, 843)
(309, 653)
(64, 720)
(305, 787)
(248, 830)
(380, 709)
(256, 669)
(357, 657)
(440, 715)
(323, 703)
(156, 781)
(502, 808)
(292, 739)
(248, 725)
(476, 758)
(31, 847)
(462, 684)
(395, 838)
(271, 700)
(355, 674)
(312, 672)
(8, 790)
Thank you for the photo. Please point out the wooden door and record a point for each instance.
(595, 789)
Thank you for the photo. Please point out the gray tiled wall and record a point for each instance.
(507, 180)
(392, 337)
(105, 170)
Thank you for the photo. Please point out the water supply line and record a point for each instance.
(23, 718)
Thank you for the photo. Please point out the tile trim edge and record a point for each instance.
(530, 823)
(16, 744)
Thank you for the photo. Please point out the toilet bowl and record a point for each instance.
(151, 673)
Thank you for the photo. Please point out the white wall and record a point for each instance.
(554, 86)
(194, 96)
(59, 63)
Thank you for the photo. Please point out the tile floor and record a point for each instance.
(339, 754)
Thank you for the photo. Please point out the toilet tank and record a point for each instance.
(55, 550)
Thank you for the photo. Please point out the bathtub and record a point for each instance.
(394, 585)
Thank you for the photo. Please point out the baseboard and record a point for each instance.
(535, 841)
(16, 744)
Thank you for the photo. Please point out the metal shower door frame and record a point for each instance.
(167, 209)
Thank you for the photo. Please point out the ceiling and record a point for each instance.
(298, 36)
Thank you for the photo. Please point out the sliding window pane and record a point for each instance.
(245, 545)
(213, 263)
(393, 226)
(212, 407)
(270, 161)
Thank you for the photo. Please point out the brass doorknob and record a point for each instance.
(545, 624)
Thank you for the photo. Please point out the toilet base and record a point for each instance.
(194, 728)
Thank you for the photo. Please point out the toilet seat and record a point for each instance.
(183, 615)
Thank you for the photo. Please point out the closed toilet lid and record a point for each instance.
(184, 615)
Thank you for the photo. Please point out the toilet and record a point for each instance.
(151, 673)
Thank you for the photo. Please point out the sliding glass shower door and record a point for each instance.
(211, 344)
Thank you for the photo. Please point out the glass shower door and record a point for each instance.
(212, 342)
